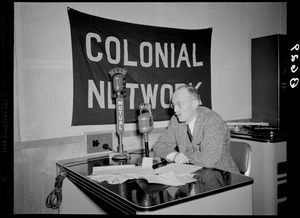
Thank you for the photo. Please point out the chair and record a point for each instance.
(241, 154)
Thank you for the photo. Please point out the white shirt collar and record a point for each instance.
(192, 124)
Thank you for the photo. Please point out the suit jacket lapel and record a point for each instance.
(183, 137)
(198, 131)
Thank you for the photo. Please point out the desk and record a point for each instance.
(214, 192)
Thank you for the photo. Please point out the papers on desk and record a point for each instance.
(170, 178)
(121, 170)
(178, 169)
(172, 174)
(119, 173)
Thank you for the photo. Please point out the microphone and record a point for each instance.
(118, 82)
(145, 123)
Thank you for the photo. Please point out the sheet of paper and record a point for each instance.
(172, 191)
(180, 179)
(120, 169)
(173, 174)
(105, 170)
(147, 162)
(169, 179)
(162, 180)
(178, 169)
(165, 178)
(112, 179)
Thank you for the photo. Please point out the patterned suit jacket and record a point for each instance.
(210, 145)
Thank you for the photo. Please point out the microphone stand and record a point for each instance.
(118, 81)
(120, 128)
(146, 144)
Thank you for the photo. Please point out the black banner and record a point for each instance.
(157, 61)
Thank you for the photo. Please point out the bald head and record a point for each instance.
(188, 91)
(185, 101)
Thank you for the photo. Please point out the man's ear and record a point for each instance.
(195, 104)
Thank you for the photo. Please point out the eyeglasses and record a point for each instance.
(180, 105)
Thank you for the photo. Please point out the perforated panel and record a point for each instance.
(45, 31)
(47, 102)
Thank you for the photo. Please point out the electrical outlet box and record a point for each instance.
(96, 140)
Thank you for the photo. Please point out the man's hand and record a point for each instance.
(181, 158)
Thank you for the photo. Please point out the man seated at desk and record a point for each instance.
(208, 141)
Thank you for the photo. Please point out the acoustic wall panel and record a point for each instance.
(45, 31)
(50, 109)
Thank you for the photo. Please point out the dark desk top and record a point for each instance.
(139, 195)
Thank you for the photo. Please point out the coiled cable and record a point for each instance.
(54, 199)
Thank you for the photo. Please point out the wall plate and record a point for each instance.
(95, 141)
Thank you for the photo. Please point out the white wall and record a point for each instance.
(43, 78)
(43, 56)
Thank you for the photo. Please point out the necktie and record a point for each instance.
(189, 133)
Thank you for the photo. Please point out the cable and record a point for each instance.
(54, 199)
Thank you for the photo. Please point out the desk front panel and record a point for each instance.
(138, 196)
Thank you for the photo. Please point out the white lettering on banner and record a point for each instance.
(89, 49)
(145, 50)
(149, 94)
(183, 56)
(132, 87)
(92, 89)
(162, 93)
(110, 105)
(126, 61)
(142, 51)
(118, 50)
(195, 63)
(163, 55)
(172, 55)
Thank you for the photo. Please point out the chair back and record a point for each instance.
(241, 154)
